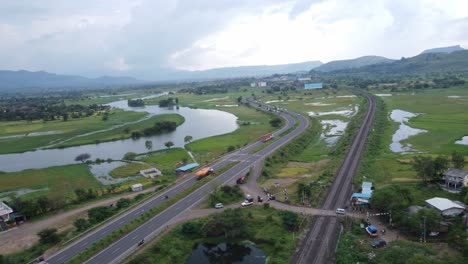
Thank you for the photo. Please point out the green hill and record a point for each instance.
(456, 61)
(353, 63)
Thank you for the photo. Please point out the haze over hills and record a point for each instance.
(353, 63)
(14, 81)
(449, 49)
(252, 71)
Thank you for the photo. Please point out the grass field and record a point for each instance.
(120, 133)
(131, 169)
(61, 179)
(64, 130)
(166, 159)
(445, 118)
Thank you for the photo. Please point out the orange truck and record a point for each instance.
(204, 172)
(266, 137)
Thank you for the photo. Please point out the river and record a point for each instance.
(199, 123)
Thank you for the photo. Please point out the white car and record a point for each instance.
(219, 206)
(246, 203)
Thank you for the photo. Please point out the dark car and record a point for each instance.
(377, 243)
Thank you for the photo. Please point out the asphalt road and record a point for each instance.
(125, 245)
(319, 244)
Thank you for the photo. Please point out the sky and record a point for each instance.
(149, 38)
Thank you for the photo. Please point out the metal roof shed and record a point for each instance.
(188, 167)
(445, 206)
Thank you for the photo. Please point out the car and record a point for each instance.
(340, 211)
(219, 206)
(377, 243)
(246, 203)
(372, 231)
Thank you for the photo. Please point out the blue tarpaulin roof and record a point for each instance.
(188, 167)
(362, 195)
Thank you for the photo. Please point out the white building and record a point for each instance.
(254, 84)
(5, 211)
(137, 187)
(262, 84)
(445, 206)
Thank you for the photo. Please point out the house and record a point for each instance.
(262, 84)
(5, 212)
(137, 187)
(362, 199)
(456, 178)
(445, 206)
(187, 168)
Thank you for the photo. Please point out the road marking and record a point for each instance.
(133, 238)
(115, 250)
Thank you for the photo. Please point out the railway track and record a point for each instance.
(319, 244)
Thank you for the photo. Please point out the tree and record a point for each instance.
(290, 219)
(129, 156)
(239, 99)
(230, 223)
(303, 191)
(458, 160)
(83, 157)
(424, 167)
(99, 214)
(441, 164)
(275, 122)
(48, 236)
(123, 202)
(169, 144)
(188, 139)
(149, 144)
(81, 224)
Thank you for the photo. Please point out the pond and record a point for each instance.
(101, 172)
(332, 130)
(199, 123)
(404, 131)
(226, 253)
(462, 141)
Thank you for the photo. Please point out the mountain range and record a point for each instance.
(445, 59)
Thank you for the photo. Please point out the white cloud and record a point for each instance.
(145, 37)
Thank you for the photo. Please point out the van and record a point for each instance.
(340, 211)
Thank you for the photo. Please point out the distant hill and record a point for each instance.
(444, 49)
(456, 61)
(249, 71)
(17, 81)
(353, 63)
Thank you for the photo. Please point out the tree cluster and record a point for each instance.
(135, 102)
(157, 128)
(44, 108)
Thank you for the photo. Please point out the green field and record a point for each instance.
(121, 133)
(62, 179)
(65, 130)
(131, 169)
(446, 119)
(166, 159)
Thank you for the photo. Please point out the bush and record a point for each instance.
(81, 224)
(48, 236)
(123, 202)
(129, 156)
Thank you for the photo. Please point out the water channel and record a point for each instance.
(199, 123)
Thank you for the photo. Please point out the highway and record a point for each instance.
(128, 243)
(319, 244)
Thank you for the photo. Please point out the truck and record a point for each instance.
(266, 137)
(241, 180)
(204, 172)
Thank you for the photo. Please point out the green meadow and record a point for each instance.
(64, 130)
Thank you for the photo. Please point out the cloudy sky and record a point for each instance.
(144, 37)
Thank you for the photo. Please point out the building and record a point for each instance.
(455, 178)
(254, 84)
(5, 212)
(445, 206)
(150, 173)
(262, 84)
(313, 86)
(137, 187)
(362, 199)
(303, 79)
(187, 168)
